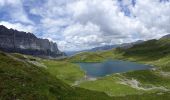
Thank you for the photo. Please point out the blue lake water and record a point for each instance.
(110, 67)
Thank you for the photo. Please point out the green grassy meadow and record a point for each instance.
(65, 71)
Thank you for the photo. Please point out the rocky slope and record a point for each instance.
(26, 43)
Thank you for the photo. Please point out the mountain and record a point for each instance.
(109, 47)
(105, 47)
(27, 43)
(166, 36)
(151, 49)
(71, 53)
(129, 45)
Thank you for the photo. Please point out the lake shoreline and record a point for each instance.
(111, 67)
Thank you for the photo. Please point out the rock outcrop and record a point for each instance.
(27, 43)
(166, 36)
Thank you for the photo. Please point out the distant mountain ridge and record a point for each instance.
(109, 47)
(129, 45)
(27, 43)
(166, 36)
(106, 47)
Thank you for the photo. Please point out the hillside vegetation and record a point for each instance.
(22, 80)
(153, 52)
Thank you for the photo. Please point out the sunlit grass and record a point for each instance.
(65, 71)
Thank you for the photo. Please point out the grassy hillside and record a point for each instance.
(68, 72)
(154, 52)
(22, 80)
(86, 57)
(94, 56)
(111, 85)
(150, 50)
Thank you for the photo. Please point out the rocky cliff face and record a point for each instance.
(26, 43)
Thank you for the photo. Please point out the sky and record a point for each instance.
(84, 24)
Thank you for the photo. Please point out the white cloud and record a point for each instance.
(2, 2)
(81, 24)
(15, 10)
(18, 26)
(82, 36)
(153, 15)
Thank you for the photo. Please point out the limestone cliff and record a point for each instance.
(26, 43)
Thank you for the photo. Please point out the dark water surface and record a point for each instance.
(111, 66)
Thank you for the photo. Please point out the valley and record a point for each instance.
(84, 49)
(66, 75)
(146, 74)
(153, 52)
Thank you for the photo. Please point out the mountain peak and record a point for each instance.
(166, 36)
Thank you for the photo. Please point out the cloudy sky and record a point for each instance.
(83, 24)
